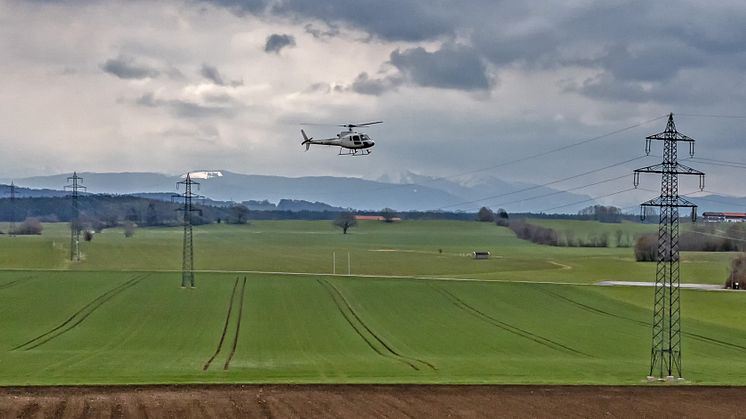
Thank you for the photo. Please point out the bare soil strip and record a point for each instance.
(238, 325)
(79, 316)
(373, 401)
(388, 351)
(474, 312)
(225, 327)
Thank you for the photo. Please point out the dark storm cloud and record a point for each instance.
(638, 48)
(277, 42)
(126, 68)
(451, 67)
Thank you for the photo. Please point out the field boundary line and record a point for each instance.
(475, 312)
(79, 316)
(225, 327)
(238, 325)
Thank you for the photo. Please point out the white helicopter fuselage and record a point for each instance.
(351, 140)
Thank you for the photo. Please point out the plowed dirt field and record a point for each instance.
(369, 401)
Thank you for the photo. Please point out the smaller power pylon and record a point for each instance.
(12, 223)
(187, 264)
(75, 187)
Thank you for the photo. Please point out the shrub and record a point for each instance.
(646, 248)
(129, 229)
(737, 273)
(30, 226)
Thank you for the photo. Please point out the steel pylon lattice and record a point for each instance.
(12, 223)
(75, 187)
(665, 353)
(187, 264)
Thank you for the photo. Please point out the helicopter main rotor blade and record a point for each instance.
(365, 124)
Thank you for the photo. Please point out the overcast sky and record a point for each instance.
(171, 86)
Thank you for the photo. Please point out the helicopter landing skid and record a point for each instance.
(353, 152)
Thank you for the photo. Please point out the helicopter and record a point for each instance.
(350, 142)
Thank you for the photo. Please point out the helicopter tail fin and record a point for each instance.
(306, 140)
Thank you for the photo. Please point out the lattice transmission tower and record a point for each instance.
(665, 353)
(12, 223)
(187, 264)
(74, 186)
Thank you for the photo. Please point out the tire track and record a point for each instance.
(695, 336)
(79, 316)
(238, 325)
(390, 351)
(225, 327)
(591, 308)
(471, 310)
(14, 282)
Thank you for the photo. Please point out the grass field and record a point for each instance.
(119, 317)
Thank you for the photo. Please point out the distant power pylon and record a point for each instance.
(12, 224)
(74, 187)
(187, 264)
(665, 354)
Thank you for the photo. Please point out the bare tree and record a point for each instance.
(345, 220)
(240, 214)
(485, 214)
(388, 215)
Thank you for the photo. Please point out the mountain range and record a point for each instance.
(405, 191)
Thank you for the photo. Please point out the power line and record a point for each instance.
(187, 261)
(75, 226)
(698, 115)
(12, 224)
(587, 200)
(557, 192)
(522, 159)
(665, 353)
(545, 184)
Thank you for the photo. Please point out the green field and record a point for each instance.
(119, 315)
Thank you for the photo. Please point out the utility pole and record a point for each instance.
(665, 354)
(74, 185)
(187, 264)
(12, 224)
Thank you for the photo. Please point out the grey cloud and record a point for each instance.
(241, 7)
(211, 73)
(407, 20)
(366, 85)
(126, 68)
(317, 33)
(649, 62)
(185, 109)
(277, 42)
(451, 67)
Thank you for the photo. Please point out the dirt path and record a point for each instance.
(369, 401)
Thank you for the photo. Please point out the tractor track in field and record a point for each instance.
(341, 302)
(238, 326)
(475, 312)
(598, 311)
(79, 316)
(15, 282)
(225, 328)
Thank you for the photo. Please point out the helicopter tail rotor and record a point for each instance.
(306, 140)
